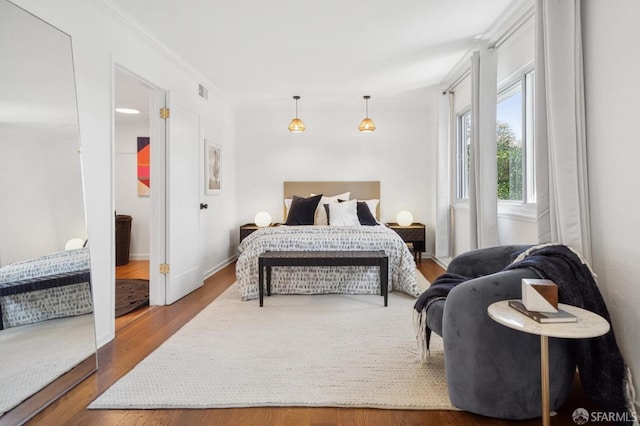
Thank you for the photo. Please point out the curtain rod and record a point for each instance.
(513, 28)
(457, 82)
(499, 41)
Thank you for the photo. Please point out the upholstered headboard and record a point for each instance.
(361, 190)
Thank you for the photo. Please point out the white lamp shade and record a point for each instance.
(262, 219)
(74, 243)
(404, 218)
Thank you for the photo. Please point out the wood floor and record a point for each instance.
(135, 269)
(138, 338)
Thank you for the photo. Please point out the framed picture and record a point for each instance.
(212, 168)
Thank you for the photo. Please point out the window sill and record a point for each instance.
(524, 213)
(506, 210)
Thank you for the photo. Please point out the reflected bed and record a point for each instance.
(47, 287)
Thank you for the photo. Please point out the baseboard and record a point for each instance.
(219, 266)
(103, 340)
(442, 262)
(141, 256)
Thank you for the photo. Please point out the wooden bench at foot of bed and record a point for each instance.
(47, 305)
(322, 258)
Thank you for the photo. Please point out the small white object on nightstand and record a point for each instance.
(262, 219)
(404, 218)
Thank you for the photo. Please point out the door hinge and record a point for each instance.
(164, 112)
(164, 268)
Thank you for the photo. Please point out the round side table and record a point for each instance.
(588, 325)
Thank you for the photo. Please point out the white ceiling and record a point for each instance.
(131, 93)
(256, 49)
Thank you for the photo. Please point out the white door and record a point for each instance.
(183, 203)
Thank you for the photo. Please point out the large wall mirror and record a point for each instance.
(47, 333)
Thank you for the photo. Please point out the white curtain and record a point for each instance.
(443, 177)
(483, 179)
(560, 140)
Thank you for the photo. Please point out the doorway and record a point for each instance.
(132, 195)
(160, 148)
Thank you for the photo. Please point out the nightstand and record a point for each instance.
(414, 235)
(248, 228)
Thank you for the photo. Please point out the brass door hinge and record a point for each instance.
(164, 268)
(164, 112)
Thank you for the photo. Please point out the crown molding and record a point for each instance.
(121, 16)
(517, 13)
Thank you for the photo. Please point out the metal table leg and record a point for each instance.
(544, 379)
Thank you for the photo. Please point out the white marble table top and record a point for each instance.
(588, 324)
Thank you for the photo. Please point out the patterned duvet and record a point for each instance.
(52, 286)
(325, 279)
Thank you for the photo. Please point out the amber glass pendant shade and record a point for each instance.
(296, 125)
(366, 125)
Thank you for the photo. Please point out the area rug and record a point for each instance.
(131, 295)
(321, 350)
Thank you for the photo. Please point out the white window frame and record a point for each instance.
(462, 173)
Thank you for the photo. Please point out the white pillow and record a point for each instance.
(344, 214)
(321, 214)
(287, 205)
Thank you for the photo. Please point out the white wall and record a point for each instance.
(219, 223)
(100, 40)
(28, 231)
(399, 154)
(42, 183)
(612, 90)
(65, 193)
(127, 200)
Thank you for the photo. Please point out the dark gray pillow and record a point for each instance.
(303, 210)
(365, 216)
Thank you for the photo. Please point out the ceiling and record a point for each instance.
(131, 93)
(252, 49)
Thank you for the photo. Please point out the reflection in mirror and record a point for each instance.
(46, 312)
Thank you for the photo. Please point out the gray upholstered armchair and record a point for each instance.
(493, 370)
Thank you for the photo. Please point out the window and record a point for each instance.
(509, 143)
(515, 146)
(463, 154)
(514, 139)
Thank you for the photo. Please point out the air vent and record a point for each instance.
(203, 92)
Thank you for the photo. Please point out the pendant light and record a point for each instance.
(366, 125)
(296, 124)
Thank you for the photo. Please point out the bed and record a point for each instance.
(52, 286)
(327, 237)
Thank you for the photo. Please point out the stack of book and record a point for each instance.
(543, 317)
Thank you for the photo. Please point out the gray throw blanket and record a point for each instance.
(603, 372)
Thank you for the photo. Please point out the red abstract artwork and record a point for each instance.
(144, 176)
